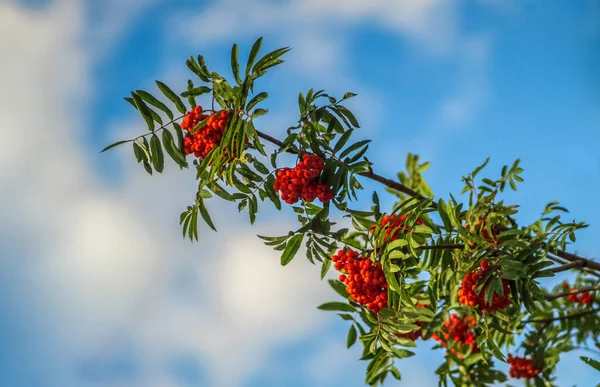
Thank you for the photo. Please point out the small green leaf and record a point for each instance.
(172, 96)
(144, 111)
(325, 268)
(259, 112)
(158, 158)
(205, 215)
(154, 102)
(339, 287)
(291, 249)
(114, 145)
(235, 66)
(256, 99)
(352, 335)
(353, 147)
(253, 53)
(337, 306)
(591, 362)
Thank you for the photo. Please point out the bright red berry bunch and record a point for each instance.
(302, 182)
(585, 298)
(394, 225)
(364, 279)
(206, 138)
(468, 296)
(417, 333)
(458, 330)
(521, 367)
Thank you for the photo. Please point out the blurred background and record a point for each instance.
(97, 286)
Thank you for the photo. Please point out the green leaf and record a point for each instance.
(196, 91)
(253, 53)
(591, 362)
(352, 335)
(348, 114)
(158, 158)
(325, 268)
(172, 97)
(353, 147)
(114, 145)
(342, 141)
(235, 66)
(291, 249)
(205, 215)
(259, 112)
(337, 306)
(339, 287)
(144, 111)
(138, 152)
(147, 167)
(256, 99)
(154, 102)
(173, 150)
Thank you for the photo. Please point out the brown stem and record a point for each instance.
(442, 247)
(573, 291)
(570, 265)
(567, 317)
(587, 263)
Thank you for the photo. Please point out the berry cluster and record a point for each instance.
(468, 296)
(394, 225)
(364, 279)
(417, 333)
(585, 298)
(521, 367)
(302, 182)
(206, 138)
(458, 330)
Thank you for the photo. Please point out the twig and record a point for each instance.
(572, 291)
(567, 317)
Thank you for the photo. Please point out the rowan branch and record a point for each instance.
(570, 265)
(593, 266)
(567, 317)
(572, 291)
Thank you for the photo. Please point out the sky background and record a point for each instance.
(97, 287)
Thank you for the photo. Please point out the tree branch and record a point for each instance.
(572, 291)
(593, 266)
(567, 317)
(570, 265)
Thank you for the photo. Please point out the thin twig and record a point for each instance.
(572, 291)
(567, 317)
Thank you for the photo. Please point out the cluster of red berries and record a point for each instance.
(206, 138)
(521, 367)
(468, 296)
(394, 225)
(585, 297)
(458, 330)
(364, 279)
(302, 182)
(413, 335)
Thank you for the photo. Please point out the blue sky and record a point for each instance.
(97, 286)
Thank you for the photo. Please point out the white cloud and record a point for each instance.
(104, 262)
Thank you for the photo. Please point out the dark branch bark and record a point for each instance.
(567, 317)
(573, 291)
(592, 266)
(570, 265)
